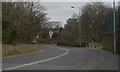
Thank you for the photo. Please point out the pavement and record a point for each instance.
(63, 58)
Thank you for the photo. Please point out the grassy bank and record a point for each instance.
(95, 43)
(8, 49)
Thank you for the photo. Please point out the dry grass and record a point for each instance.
(0, 50)
(8, 49)
(95, 43)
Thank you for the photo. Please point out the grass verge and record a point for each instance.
(8, 49)
(95, 43)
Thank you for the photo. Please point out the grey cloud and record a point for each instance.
(60, 11)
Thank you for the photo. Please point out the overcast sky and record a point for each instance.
(61, 11)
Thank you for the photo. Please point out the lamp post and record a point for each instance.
(114, 32)
(79, 25)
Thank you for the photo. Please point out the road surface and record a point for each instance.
(62, 58)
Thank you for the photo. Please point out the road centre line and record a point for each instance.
(41, 61)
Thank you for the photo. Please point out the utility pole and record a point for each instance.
(114, 32)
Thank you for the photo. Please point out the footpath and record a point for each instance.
(110, 61)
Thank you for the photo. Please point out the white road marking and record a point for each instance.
(23, 65)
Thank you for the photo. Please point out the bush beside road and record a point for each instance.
(8, 49)
(90, 44)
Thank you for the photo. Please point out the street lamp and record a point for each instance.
(114, 32)
(79, 24)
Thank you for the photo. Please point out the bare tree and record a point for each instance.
(26, 17)
(53, 24)
(70, 33)
(93, 20)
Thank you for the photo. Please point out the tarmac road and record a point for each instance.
(63, 58)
